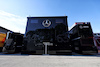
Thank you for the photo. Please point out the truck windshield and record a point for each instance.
(10, 36)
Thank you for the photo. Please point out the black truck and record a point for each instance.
(46, 35)
(13, 42)
(81, 38)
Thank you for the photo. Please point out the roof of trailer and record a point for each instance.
(48, 17)
(4, 28)
(77, 24)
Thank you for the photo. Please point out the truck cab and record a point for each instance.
(81, 38)
(13, 42)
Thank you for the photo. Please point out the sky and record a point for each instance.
(14, 13)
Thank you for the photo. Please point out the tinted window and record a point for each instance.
(99, 34)
(34, 21)
(59, 21)
(11, 36)
(94, 34)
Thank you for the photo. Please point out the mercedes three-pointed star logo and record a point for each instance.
(46, 23)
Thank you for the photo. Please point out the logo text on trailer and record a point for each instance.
(46, 23)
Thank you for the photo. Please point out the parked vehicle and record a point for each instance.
(2, 40)
(46, 35)
(97, 40)
(81, 38)
(13, 42)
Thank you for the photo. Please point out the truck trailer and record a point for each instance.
(81, 38)
(46, 35)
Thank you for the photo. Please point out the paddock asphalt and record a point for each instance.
(75, 60)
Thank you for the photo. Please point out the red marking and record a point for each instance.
(80, 23)
(90, 37)
(76, 23)
(3, 40)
